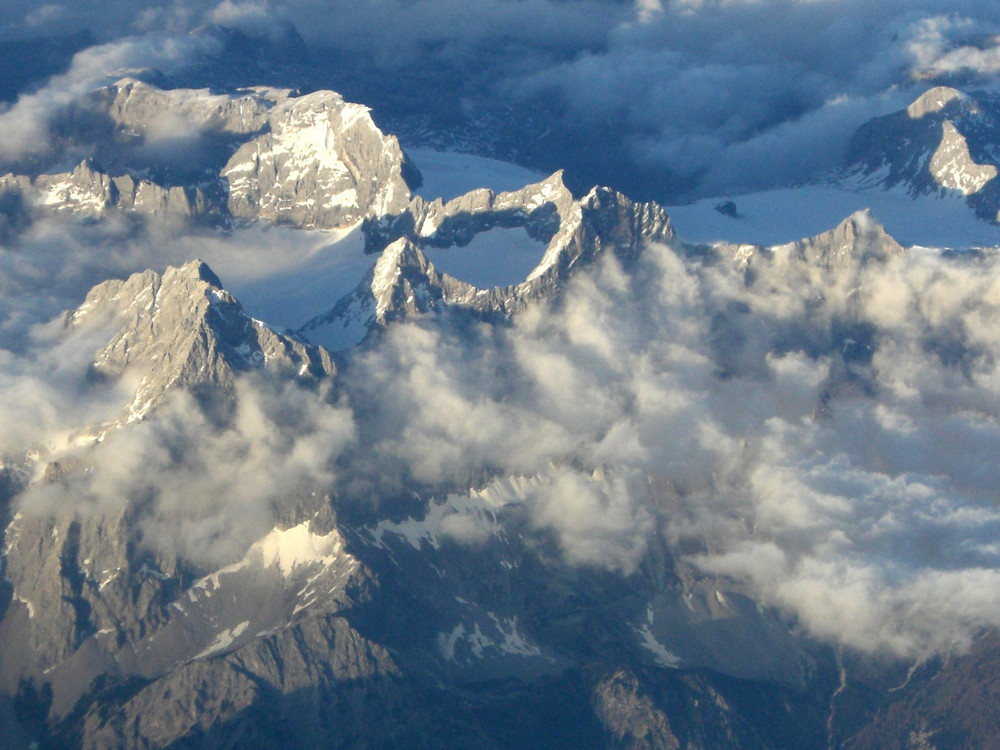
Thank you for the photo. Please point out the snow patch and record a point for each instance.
(776, 217)
(346, 331)
(287, 277)
(296, 547)
(511, 641)
(663, 656)
(386, 273)
(448, 174)
(499, 257)
(224, 640)
(27, 604)
(446, 642)
(475, 640)
(286, 550)
(70, 196)
(468, 519)
(953, 167)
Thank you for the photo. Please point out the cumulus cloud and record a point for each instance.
(824, 435)
(867, 511)
(203, 492)
(44, 392)
(827, 435)
(730, 95)
(948, 44)
(598, 520)
(44, 16)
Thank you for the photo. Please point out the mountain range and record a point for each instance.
(598, 485)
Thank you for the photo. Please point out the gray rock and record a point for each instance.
(322, 163)
(857, 240)
(312, 161)
(404, 282)
(628, 714)
(136, 107)
(89, 193)
(943, 143)
(182, 329)
(316, 655)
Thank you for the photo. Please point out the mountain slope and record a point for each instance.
(944, 141)
(312, 161)
(650, 494)
(183, 330)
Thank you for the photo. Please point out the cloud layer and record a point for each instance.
(825, 436)
(828, 433)
(202, 492)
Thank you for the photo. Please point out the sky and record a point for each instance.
(855, 495)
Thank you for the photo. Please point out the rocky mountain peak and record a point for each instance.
(198, 270)
(182, 329)
(277, 39)
(857, 239)
(953, 166)
(321, 163)
(404, 282)
(943, 142)
(311, 161)
(541, 208)
(934, 101)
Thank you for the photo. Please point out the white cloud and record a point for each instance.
(27, 124)
(203, 492)
(855, 495)
(772, 89)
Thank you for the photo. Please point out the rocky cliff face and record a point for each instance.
(90, 603)
(109, 638)
(321, 163)
(856, 241)
(311, 161)
(181, 329)
(88, 193)
(223, 561)
(943, 142)
(940, 704)
(404, 281)
(348, 620)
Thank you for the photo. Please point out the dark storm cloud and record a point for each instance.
(742, 91)
(27, 123)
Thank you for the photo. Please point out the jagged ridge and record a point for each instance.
(404, 282)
